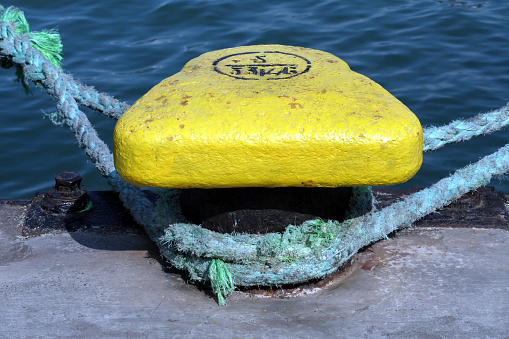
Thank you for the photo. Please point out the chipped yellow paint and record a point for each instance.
(267, 116)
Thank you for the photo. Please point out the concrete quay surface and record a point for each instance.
(100, 282)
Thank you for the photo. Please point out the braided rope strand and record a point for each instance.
(38, 69)
(462, 130)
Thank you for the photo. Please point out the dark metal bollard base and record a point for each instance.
(483, 208)
(262, 210)
(106, 216)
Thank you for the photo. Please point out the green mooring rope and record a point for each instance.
(303, 252)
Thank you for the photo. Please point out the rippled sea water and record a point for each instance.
(444, 59)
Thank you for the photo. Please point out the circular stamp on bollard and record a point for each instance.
(269, 65)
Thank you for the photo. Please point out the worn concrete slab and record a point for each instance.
(427, 282)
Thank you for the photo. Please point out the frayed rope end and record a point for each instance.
(47, 42)
(221, 280)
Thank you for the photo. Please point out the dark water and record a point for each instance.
(444, 59)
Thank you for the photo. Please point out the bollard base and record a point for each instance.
(262, 210)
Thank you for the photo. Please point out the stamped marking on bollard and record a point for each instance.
(268, 65)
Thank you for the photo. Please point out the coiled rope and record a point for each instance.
(311, 250)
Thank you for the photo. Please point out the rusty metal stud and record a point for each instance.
(67, 196)
(67, 182)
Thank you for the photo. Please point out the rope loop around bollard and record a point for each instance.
(308, 251)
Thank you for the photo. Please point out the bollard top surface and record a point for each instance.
(267, 116)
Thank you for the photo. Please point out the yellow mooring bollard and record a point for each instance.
(267, 116)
